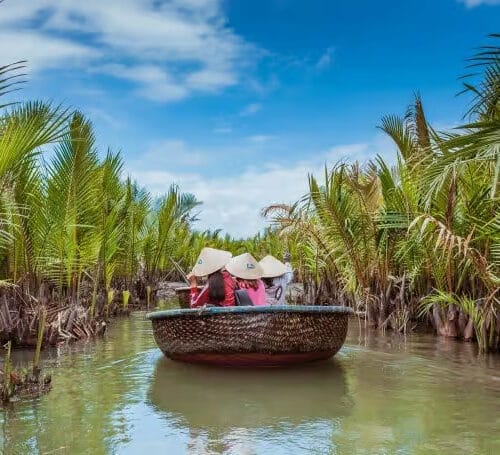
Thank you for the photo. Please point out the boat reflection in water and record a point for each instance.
(219, 404)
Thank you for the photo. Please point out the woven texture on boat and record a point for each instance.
(282, 332)
(184, 297)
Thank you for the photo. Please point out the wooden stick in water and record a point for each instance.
(41, 329)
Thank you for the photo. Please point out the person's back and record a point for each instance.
(277, 276)
(219, 290)
(247, 273)
(274, 292)
(255, 290)
(281, 283)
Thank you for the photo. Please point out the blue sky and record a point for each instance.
(236, 101)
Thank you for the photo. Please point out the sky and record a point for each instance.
(237, 101)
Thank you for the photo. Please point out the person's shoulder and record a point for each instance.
(228, 278)
(226, 275)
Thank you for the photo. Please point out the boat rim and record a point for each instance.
(206, 311)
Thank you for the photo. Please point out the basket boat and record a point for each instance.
(184, 295)
(251, 336)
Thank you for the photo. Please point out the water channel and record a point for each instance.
(381, 394)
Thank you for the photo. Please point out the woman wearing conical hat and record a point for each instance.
(219, 290)
(247, 273)
(276, 277)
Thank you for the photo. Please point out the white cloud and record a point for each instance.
(350, 152)
(102, 115)
(474, 3)
(262, 86)
(250, 109)
(169, 49)
(326, 59)
(211, 79)
(260, 138)
(233, 203)
(42, 51)
(153, 82)
(173, 153)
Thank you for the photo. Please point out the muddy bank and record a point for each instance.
(68, 321)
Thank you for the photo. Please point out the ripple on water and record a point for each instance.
(380, 394)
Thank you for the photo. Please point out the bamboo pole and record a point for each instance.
(6, 374)
(41, 329)
(179, 269)
(148, 296)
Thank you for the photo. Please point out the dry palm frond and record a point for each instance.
(448, 242)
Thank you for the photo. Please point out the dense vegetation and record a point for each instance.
(417, 239)
(414, 241)
(71, 229)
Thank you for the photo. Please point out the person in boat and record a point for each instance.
(219, 290)
(276, 277)
(247, 273)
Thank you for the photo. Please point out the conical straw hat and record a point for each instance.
(272, 267)
(244, 266)
(210, 260)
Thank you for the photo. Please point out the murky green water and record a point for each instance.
(380, 395)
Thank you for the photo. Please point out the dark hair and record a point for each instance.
(268, 281)
(216, 288)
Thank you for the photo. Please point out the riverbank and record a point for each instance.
(68, 323)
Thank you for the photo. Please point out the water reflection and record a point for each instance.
(379, 395)
(250, 411)
(191, 396)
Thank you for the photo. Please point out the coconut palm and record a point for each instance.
(420, 238)
(24, 130)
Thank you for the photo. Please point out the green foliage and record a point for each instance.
(377, 237)
(390, 235)
(73, 221)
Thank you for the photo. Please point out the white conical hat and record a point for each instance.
(210, 260)
(272, 267)
(244, 266)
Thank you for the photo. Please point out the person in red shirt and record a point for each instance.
(219, 290)
(247, 273)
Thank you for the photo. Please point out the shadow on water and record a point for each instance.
(381, 394)
(193, 396)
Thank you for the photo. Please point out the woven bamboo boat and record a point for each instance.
(184, 295)
(251, 336)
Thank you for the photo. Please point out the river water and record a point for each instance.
(381, 394)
